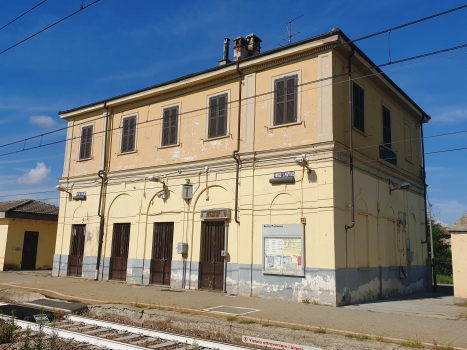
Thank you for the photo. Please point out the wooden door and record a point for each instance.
(162, 252)
(212, 263)
(28, 261)
(77, 251)
(120, 246)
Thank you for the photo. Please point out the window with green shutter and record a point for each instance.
(217, 116)
(358, 107)
(128, 134)
(86, 142)
(387, 132)
(285, 100)
(170, 126)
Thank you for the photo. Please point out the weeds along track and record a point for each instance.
(89, 333)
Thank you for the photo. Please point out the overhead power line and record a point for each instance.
(43, 30)
(223, 179)
(6, 25)
(359, 39)
(203, 109)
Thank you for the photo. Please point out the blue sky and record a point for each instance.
(118, 46)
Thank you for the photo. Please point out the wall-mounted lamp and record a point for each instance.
(402, 186)
(303, 161)
(62, 189)
(157, 179)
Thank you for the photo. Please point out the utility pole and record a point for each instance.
(432, 252)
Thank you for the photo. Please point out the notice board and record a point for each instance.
(283, 249)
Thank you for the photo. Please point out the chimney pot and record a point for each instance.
(240, 48)
(225, 60)
(254, 45)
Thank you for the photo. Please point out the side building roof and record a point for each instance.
(28, 209)
(460, 226)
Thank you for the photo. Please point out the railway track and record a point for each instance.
(91, 333)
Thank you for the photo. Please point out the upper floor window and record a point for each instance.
(217, 116)
(170, 126)
(86, 142)
(358, 107)
(128, 134)
(285, 100)
(387, 136)
(408, 142)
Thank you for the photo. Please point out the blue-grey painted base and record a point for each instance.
(89, 267)
(324, 286)
(184, 274)
(368, 284)
(60, 265)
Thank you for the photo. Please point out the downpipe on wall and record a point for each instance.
(102, 175)
(226, 235)
(235, 153)
(352, 190)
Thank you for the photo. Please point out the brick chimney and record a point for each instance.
(240, 48)
(254, 44)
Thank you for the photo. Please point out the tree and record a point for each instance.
(443, 255)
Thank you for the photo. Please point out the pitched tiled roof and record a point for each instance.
(446, 231)
(460, 225)
(29, 206)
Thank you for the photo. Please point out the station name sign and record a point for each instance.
(80, 196)
(215, 214)
(283, 177)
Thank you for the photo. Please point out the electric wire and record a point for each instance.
(50, 26)
(231, 102)
(342, 44)
(6, 25)
(144, 179)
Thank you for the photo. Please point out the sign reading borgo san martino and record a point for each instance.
(283, 250)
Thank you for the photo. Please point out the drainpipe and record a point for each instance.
(100, 211)
(352, 190)
(226, 230)
(235, 153)
(424, 176)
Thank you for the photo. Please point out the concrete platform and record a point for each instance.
(57, 305)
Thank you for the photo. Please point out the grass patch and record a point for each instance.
(461, 304)
(267, 325)
(231, 318)
(360, 337)
(416, 344)
(320, 331)
(443, 347)
(246, 322)
(139, 306)
(444, 279)
(305, 301)
(380, 338)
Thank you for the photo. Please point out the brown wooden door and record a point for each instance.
(162, 252)
(28, 261)
(77, 251)
(120, 246)
(212, 263)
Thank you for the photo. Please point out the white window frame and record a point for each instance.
(298, 73)
(229, 102)
(179, 105)
(135, 114)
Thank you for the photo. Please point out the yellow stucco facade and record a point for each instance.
(380, 256)
(459, 262)
(12, 232)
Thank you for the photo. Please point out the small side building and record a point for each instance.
(28, 230)
(459, 258)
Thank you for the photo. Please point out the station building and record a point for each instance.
(256, 177)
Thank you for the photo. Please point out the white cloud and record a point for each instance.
(455, 116)
(42, 120)
(441, 223)
(35, 176)
(449, 211)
